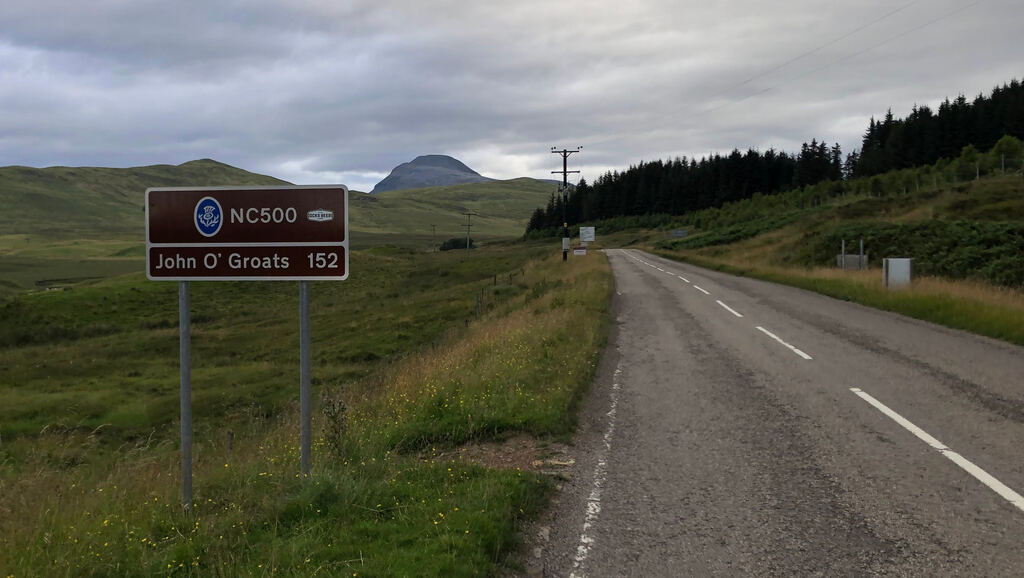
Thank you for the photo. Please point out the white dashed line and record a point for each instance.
(683, 278)
(698, 288)
(660, 269)
(600, 475)
(776, 338)
(729, 309)
(968, 466)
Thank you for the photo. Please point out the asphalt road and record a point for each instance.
(739, 427)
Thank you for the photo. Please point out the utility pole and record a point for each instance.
(565, 194)
(469, 226)
(565, 164)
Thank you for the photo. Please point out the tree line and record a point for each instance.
(683, 185)
(924, 137)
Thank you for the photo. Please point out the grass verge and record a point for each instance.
(968, 305)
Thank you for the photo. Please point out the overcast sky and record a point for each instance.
(327, 91)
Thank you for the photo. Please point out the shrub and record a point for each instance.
(992, 251)
(455, 243)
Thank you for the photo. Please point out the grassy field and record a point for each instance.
(403, 369)
(503, 209)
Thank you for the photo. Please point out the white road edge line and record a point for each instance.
(600, 476)
(683, 278)
(980, 474)
(776, 338)
(698, 288)
(729, 309)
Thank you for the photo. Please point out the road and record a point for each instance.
(739, 427)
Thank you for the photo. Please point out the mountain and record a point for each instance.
(67, 202)
(429, 171)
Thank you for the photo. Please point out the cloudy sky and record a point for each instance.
(328, 91)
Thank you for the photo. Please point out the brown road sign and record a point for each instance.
(247, 233)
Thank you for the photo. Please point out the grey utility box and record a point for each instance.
(896, 272)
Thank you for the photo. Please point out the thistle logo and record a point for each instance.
(208, 216)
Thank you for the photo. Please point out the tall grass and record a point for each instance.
(375, 505)
(973, 306)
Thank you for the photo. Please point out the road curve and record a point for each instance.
(740, 427)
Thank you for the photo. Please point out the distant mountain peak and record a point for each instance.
(443, 161)
(204, 161)
(429, 171)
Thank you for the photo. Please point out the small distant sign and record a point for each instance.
(587, 234)
(679, 232)
(579, 251)
(565, 243)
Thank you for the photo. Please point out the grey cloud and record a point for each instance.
(315, 89)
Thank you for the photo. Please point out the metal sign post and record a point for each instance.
(296, 233)
(185, 363)
(306, 428)
(565, 241)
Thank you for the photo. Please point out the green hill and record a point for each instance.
(502, 207)
(96, 202)
(59, 203)
(65, 225)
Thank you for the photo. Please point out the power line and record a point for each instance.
(816, 49)
(775, 68)
(849, 56)
(663, 118)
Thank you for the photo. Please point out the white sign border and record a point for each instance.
(344, 244)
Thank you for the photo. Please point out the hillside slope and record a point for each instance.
(968, 230)
(64, 225)
(502, 207)
(61, 203)
(91, 202)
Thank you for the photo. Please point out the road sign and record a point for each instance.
(587, 234)
(293, 233)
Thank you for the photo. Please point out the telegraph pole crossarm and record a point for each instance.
(565, 165)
